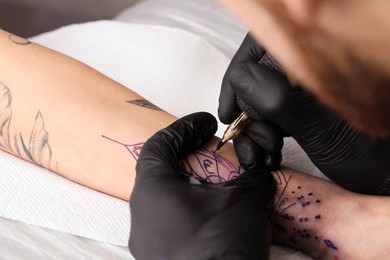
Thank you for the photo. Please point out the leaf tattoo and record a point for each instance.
(38, 149)
(5, 116)
(18, 40)
(144, 103)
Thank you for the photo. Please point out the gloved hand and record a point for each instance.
(173, 219)
(350, 158)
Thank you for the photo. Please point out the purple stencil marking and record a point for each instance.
(134, 149)
(329, 244)
(289, 206)
(288, 217)
(283, 202)
(218, 158)
(211, 164)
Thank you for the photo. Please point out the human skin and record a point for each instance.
(326, 221)
(54, 113)
(330, 48)
(69, 118)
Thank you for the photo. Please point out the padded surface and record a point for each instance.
(206, 18)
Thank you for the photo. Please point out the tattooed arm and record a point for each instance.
(67, 117)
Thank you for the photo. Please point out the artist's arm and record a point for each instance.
(71, 119)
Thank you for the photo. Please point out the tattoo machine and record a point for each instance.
(247, 114)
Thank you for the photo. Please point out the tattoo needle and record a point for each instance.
(234, 129)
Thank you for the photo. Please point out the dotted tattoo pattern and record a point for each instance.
(292, 225)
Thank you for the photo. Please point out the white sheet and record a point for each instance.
(206, 18)
(19, 240)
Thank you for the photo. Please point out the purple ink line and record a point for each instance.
(206, 159)
(289, 206)
(138, 146)
(284, 189)
(329, 244)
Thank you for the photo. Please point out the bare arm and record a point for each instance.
(67, 117)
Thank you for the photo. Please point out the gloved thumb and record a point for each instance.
(263, 89)
(160, 155)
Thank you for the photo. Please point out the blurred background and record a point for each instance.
(31, 17)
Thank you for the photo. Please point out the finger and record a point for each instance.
(262, 88)
(160, 155)
(227, 109)
(273, 161)
(249, 154)
(253, 156)
(248, 51)
(267, 135)
(260, 145)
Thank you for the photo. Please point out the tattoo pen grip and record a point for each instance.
(271, 63)
(238, 125)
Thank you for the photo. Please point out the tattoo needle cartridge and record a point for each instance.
(234, 129)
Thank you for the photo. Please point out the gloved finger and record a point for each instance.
(262, 88)
(273, 161)
(253, 156)
(260, 145)
(248, 51)
(266, 134)
(249, 154)
(159, 157)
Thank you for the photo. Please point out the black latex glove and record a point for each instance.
(350, 158)
(173, 219)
